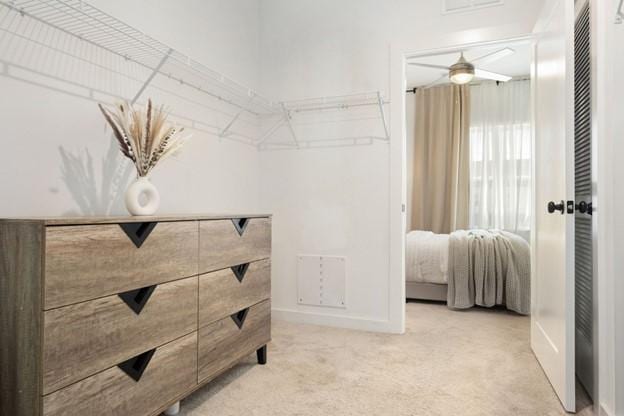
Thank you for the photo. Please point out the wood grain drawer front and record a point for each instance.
(82, 339)
(90, 261)
(221, 293)
(223, 343)
(170, 373)
(221, 244)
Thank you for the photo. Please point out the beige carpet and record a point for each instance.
(476, 362)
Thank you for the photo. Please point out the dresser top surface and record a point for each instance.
(127, 218)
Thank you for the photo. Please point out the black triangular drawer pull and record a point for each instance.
(138, 231)
(240, 270)
(137, 299)
(134, 367)
(240, 224)
(239, 317)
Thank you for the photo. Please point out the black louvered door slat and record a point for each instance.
(583, 263)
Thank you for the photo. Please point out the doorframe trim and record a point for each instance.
(610, 377)
(399, 53)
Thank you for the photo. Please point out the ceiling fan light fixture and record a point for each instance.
(461, 78)
(461, 72)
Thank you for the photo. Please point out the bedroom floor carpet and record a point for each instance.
(476, 362)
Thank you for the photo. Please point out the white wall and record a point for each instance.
(53, 113)
(337, 201)
(610, 101)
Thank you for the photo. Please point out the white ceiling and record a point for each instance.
(514, 65)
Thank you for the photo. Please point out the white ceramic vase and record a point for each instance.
(142, 197)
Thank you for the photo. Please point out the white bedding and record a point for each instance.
(427, 257)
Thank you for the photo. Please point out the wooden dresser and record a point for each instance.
(127, 315)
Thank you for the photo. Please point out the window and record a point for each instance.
(500, 156)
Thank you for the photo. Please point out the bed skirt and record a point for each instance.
(426, 291)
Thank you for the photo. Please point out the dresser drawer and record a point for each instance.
(171, 372)
(89, 261)
(82, 339)
(222, 245)
(223, 343)
(221, 293)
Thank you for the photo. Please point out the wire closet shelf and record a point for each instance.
(79, 19)
(295, 110)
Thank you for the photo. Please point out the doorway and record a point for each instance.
(582, 398)
(468, 163)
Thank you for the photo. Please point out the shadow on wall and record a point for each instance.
(39, 55)
(78, 174)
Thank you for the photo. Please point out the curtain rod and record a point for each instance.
(413, 90)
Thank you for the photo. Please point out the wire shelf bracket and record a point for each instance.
(288, 122)
(151, 77)
(380, 103)
(290, 109)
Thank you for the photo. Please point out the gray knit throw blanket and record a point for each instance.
(487, 268)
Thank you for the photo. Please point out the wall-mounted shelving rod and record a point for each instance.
(333, 107)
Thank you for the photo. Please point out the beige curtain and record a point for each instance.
(441, 158)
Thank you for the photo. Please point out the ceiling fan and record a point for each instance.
(463, 71)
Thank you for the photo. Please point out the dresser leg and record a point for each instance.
(262, 355)
(173, 410)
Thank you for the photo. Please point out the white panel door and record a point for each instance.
(552, 297)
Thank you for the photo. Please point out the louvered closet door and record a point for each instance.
(583, 190)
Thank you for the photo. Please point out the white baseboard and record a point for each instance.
(338, 321)
(604, 411)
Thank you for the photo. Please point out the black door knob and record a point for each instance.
(552, 207)
(584, 207)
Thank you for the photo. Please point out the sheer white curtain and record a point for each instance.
(500, 156)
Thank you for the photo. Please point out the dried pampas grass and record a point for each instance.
(144, 136)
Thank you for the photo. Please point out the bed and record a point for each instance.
(426, 268)
(468, 268)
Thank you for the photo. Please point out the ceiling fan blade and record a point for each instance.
(445, 68)
(437, 81)
(480, 73)
(493, 56)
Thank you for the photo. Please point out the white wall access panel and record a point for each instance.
(321, 281)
